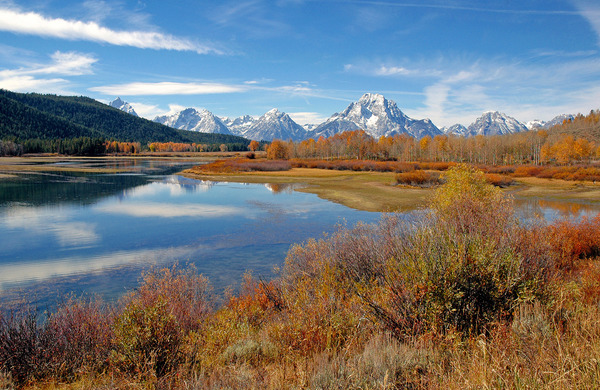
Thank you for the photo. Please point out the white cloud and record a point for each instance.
(303, 118)
(25, 79)
(457, 90)
(151, 209)
(390, 71)
(68, 64)
(33, 23)
(167, 88)
(29, 84)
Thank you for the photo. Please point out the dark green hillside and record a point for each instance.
(20, 121)
(32, 115)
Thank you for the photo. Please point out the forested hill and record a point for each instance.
(32, 115)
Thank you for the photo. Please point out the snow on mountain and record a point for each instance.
(456, 129)
(557, 120)
(495, 123)
(123, 106)
(240, 125)
(378, 117)
(275, 125)
(535, 124)
(309, 127)
(191, 119)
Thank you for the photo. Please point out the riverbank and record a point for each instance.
(367, 191)
(376, 191)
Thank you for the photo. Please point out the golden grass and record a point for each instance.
(556, 189)
(368, 191)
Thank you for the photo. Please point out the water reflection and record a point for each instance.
(551, 210)
(95, 233)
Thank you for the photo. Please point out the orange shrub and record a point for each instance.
(498, 180)
(527, 171)
(418, 178)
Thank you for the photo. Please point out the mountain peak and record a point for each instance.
(378, 117)
(123, 106)
(191, 119)
(372, 98)
(495, 123)
(275, 124)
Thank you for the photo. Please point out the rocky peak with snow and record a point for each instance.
(191, 119)
(495, 123)
(557, 120)
(376, 115)
(456, 129)
(239, 125)
(275, 124)
(123, 106)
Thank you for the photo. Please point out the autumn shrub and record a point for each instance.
(527, 171)
(156, 318)
(266, 166)
(499, 169)
(436, 166)
(24, 343)
(418, 178)
(322, 312)
(455, 268)
(80, 337)
(498, 180)
(572, 241)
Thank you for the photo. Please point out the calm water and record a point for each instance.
(80, 233)
(96, 233)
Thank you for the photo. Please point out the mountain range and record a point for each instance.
(372, 113)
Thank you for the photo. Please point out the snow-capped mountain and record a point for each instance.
(275, 125)
(191, 119)
(557, 120)
(309, 126)
(495, 123)
(240, 125)
(378, 117)
(535, 124)
(456, 129)
(123, 106)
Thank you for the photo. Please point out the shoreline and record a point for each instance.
(367, 191)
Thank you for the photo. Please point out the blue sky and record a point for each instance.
(444, 60)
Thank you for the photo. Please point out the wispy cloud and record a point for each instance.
(256, 18)
(33, 23)
(458, 7)
(458, 89)
(168, 88)
(307, 117)
(30, 77)
(590, 10)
